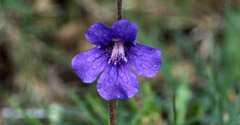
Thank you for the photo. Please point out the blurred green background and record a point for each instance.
(199, 40)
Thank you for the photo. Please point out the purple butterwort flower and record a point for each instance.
(116, 51)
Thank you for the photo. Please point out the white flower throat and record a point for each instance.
(118, 53)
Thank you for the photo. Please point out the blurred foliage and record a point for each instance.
(199, 40)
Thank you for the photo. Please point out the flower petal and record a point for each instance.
(146, 61)
(87, 65)
(99, 34)
(117, 82)
(125, 30)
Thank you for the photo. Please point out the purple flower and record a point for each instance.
(116, 51)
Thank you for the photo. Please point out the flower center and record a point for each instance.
(118, 53)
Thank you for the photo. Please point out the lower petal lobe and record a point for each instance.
(87, 65)
(145, 61)
(117, 82)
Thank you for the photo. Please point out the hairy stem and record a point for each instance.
(119, 8)
(112, 104)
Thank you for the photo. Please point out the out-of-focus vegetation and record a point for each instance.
(199, 40)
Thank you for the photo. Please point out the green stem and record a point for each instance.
(174, 109)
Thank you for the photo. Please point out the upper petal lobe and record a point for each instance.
(145, 61)
(87, 65)
(125, 30)
(117, 82)
(99, 34)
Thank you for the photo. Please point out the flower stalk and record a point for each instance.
(112, 105)
(119, 7)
